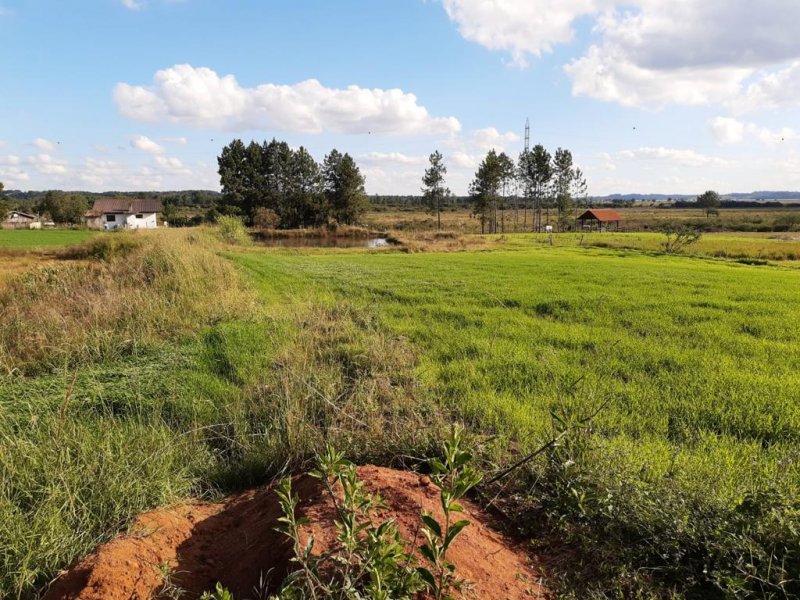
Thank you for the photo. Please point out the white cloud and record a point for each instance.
(47, 165)
(488, 138)
(680, 157)
(145, 144)
(43, 145)
(181, 141)
(772, 90)
(392, 157)
(172, 165)
(727, 130)
(651, 53)
(523, 28)
(200, 97)
(133, 4)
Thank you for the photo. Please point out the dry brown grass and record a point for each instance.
(127, 290)
(634, 219)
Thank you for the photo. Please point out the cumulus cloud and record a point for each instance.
(523, 28)
(490, 137)
(172, 165)
(10, 172)
(728, 130)
(47, 165)
(133, 4)
(680, 157)
(771, 90)
(201, 98)
(145, 144)
(651, 53)
(43, 145)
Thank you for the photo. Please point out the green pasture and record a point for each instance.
(44, 238)
(684, 485)
(693, 363)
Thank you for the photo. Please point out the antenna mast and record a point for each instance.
(527, 135)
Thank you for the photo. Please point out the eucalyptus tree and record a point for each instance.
(563, 177)
(580, 189)
(507, 180)
(434, 190)
(485, 190)
(535, 173)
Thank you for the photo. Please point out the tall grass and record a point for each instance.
(688, 480)
(215, 396)
(144, 288)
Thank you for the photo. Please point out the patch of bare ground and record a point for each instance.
(193, 546)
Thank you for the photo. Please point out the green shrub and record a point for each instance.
(232, 231)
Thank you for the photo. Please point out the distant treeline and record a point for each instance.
(183, 198)
(736, 204)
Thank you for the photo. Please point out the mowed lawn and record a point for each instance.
(46, 238)
(696, 361)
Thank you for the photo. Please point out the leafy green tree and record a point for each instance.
(563, 178)
(63, 207)
(272, 178)
(5, 207)
(709, 201)
(580, 189)
(344, 188)
(232, 178)
(535, 174)
(434, 190)
(303, 203)
(485, 190)
(507, 180)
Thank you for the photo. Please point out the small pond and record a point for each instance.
(324, 242)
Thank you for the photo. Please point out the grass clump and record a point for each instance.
(232, 230)
(133, 294)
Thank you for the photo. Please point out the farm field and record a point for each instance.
(46, 238)
(189, 369)
(638, 218)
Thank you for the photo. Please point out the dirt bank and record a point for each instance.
(235, 542)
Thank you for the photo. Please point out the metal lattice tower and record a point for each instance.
(527, 135)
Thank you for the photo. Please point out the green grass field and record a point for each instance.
(160, 373)
(695, 362)
(46, 238)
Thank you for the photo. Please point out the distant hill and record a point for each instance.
(745, 196)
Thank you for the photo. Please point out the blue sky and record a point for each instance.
(651, 96)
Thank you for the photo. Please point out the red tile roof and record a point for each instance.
(603, 215)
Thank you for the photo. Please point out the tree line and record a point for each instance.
(536, 183)
(64, 208)
(269, 184)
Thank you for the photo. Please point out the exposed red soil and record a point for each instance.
(235, 543)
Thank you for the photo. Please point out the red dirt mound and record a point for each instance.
(235, 543)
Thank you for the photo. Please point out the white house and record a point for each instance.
(123, 213)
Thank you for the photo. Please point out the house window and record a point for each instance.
(111, 218)
(140, 216)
